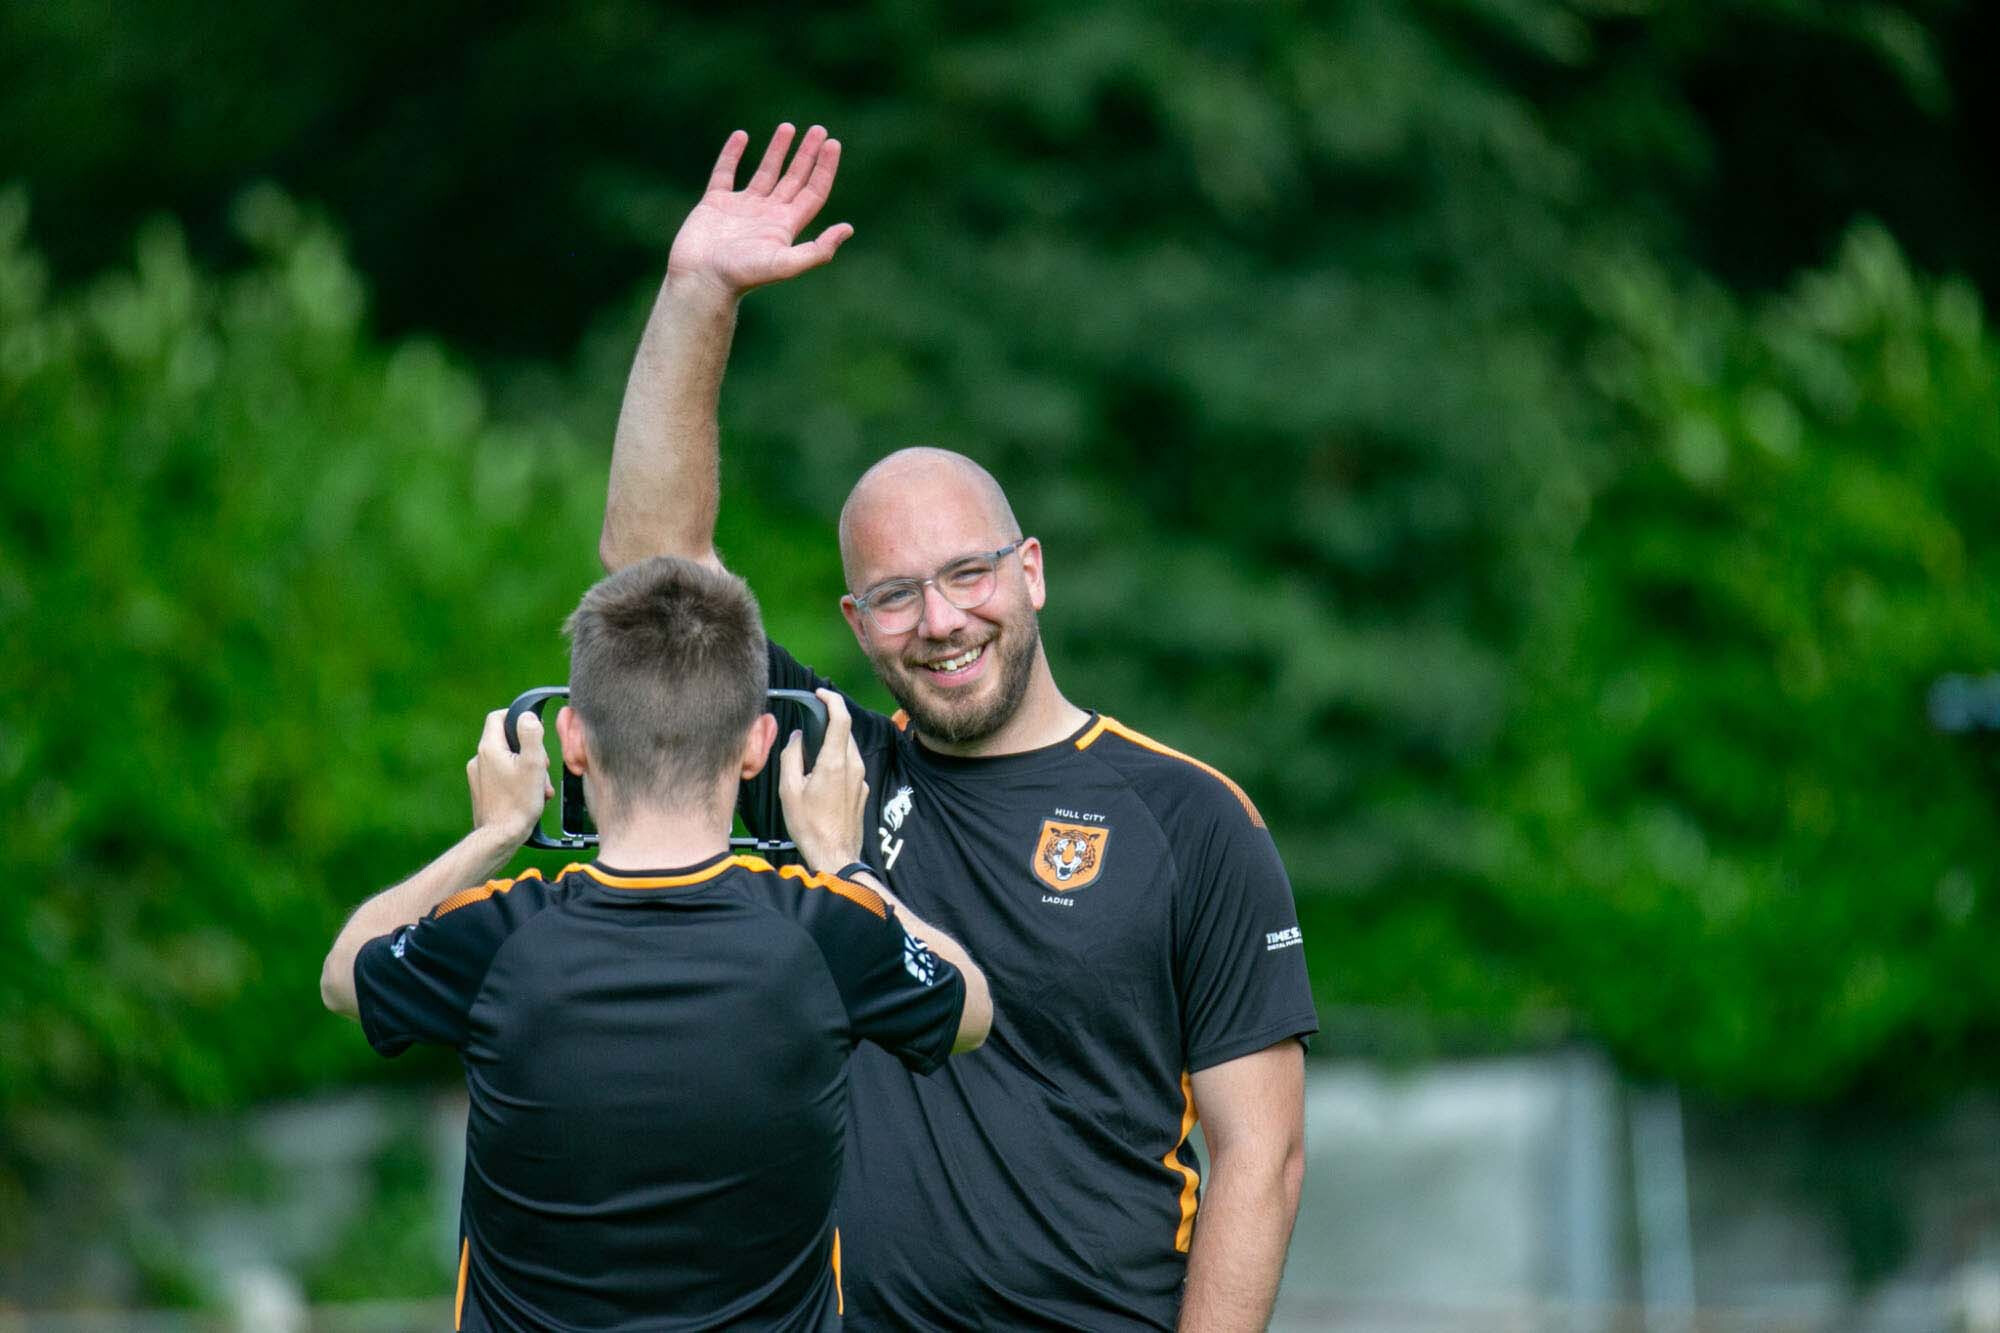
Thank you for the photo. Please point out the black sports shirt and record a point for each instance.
(657, 1064)
(1130, 912)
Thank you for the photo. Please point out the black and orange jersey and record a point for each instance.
(658, 1070)
(1133, 919)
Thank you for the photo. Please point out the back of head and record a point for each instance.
(667, 671)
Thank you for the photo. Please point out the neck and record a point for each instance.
(1043, 718)
(660, 837)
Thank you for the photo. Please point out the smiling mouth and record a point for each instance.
(949, 666)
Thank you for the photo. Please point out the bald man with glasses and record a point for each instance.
(1128, 904)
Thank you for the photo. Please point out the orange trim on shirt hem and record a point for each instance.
(1104, 724)
(464, 1257)
(839, 1292)
(1191, 1179)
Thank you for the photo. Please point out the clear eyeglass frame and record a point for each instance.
(895, 606)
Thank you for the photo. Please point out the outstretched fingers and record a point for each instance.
(818, 184)
(766, 174)
(802, 165)
(723, 177)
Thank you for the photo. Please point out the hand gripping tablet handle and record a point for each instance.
(814, 727)
(533, 701)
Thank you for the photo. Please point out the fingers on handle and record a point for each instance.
(839, 723)
(774, 157)
(493, 735)
(792, 766)
(723, 177)
(528, 730)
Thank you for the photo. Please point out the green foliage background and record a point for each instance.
(1540, 453)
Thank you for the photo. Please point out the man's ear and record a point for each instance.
(1031, 570)
(853, 614)
(575, 745)
(757, 745)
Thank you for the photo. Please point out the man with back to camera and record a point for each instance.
(656, 1054)
(1126, 900)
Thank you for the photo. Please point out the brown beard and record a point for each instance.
(1016, 654)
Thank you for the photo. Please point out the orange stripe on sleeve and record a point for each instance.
(855, 893)
(466, 897)
(464, 1256)
(1191, 1179)
(839, 1293)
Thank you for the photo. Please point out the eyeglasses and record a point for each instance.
(896, 606)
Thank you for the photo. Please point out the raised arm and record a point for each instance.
(664, 470)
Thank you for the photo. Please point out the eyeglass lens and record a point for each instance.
(968, 584)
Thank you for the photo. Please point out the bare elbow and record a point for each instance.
(609, 553)
(1292, 1172)
(336, 984)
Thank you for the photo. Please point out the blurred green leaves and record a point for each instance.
(1568, 609)
(264, 577)
(1759, 867)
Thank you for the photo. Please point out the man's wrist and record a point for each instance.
(497, 841)
(821, 860)
(698, 291)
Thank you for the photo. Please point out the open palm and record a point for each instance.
(739, 239)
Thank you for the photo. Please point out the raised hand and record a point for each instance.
(739, 239)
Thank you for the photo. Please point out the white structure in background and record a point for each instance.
(266, 1300)
(1478, 1195)
(1541, 1195)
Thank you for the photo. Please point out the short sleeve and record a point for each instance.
(757, 800)
(418, 982)
(1240, 962)
(899, 995)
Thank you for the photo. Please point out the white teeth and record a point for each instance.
(959, 663)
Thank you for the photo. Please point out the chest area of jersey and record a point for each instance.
(1061, 863)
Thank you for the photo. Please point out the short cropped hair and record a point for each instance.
(667, 668)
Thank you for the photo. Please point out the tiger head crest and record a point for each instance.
(1069, 856)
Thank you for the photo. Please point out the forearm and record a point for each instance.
(665, 483)
(1240, 1238)
(977, 1018)
(475, 859)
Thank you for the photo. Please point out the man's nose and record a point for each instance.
(940, 616)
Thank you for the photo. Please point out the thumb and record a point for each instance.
(792, 765)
